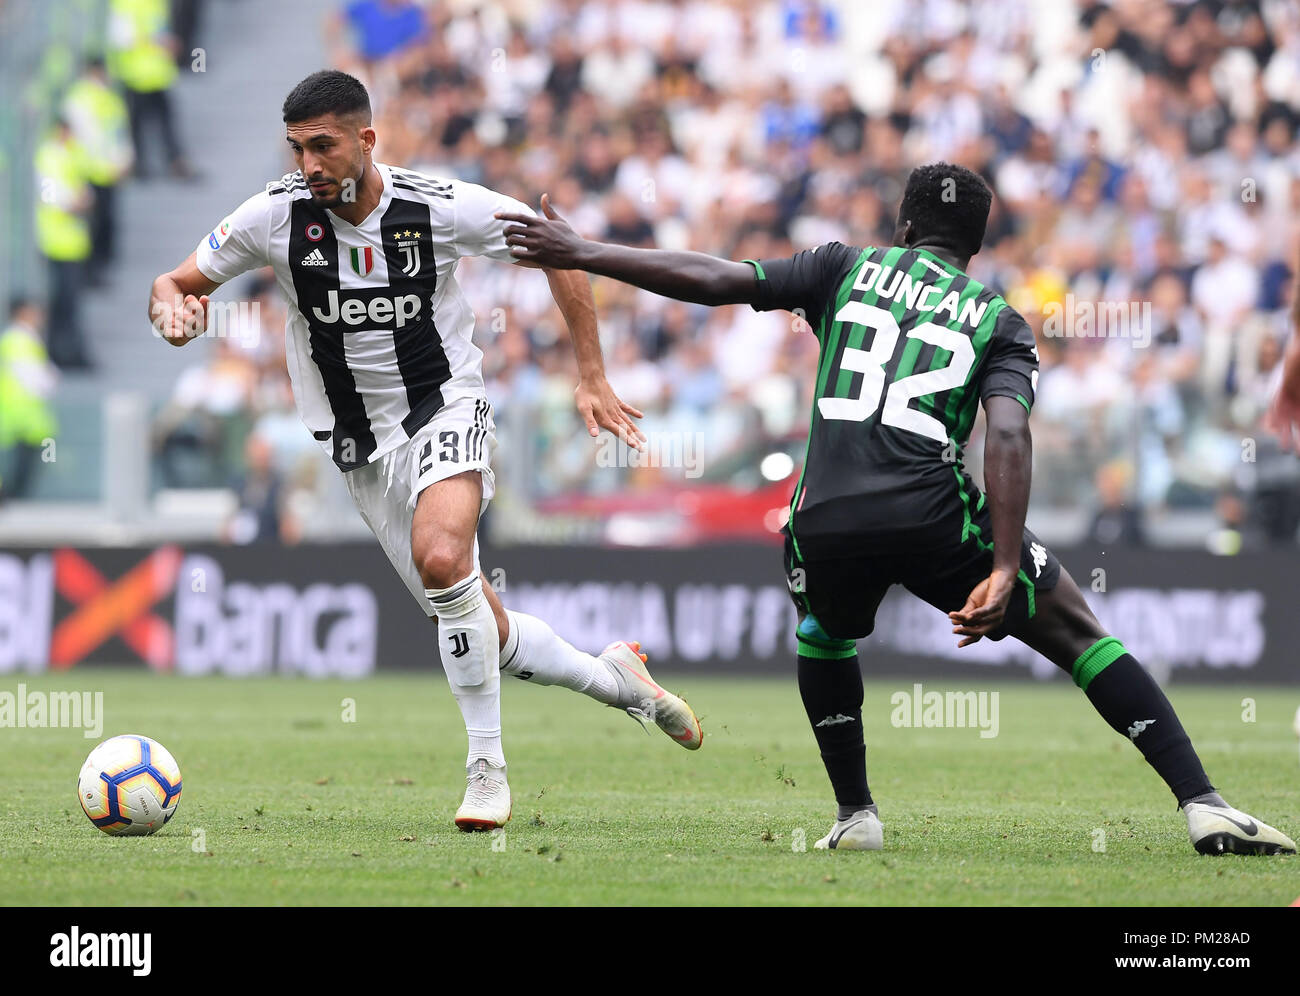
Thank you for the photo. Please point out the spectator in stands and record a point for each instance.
(759, 129)
(1224, 290)
(142, 56)
(27, 380)
(380, 29)
(199, 432)
(100, 124)
(1118, 521)
(262, 515)
(63, 206)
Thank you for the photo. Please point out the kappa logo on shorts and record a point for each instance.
(1039, 553)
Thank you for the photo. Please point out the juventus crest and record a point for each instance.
(409, 244)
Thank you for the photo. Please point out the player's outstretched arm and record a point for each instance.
(599, 406)
(1008, 458)
(547, 240)
(178, 302)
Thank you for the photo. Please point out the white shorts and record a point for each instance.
(460, 437)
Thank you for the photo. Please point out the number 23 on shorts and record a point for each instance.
(448, 451)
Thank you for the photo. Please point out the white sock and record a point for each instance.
(482, 716)
(470, 649)
(534, 652)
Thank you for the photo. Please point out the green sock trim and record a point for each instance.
(836, 651)
(1096, 659)
(815, 642)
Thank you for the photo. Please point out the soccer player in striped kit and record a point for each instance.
(909, 345)
(387, 378)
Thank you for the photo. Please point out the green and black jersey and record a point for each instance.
(909, 346)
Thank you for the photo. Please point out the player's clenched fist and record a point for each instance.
(181, 318)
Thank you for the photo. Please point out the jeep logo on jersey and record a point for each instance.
(379, 311)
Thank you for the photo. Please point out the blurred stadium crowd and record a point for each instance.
(1142, 153)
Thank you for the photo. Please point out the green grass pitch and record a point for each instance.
(286, 803)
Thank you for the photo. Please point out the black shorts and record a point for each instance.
(940, 564)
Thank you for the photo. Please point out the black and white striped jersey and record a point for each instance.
(379, 334)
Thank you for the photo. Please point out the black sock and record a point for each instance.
(831, 688)
(1133, 704)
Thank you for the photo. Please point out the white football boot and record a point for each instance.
(639, 696)
(860, 832)
(487, 798)
(1219, 830)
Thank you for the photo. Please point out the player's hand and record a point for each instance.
(543, 240)
(1283, 419)
(179, 324)
(601, 408)
(985, 607)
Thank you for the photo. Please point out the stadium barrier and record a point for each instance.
(339, 610)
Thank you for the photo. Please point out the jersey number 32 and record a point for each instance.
(871, 364)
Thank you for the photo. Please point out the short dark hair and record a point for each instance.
(328, 91)
(947, 205)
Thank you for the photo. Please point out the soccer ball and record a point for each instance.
(129, 785)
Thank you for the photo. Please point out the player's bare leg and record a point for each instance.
(442, 546)
(1064, 630)
(479, 638)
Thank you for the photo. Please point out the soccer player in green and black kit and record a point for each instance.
(909, 345)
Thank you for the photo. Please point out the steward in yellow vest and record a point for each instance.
(141, 46)
(100, 124)
(27, 379)
(63, 198)
(142, 57)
